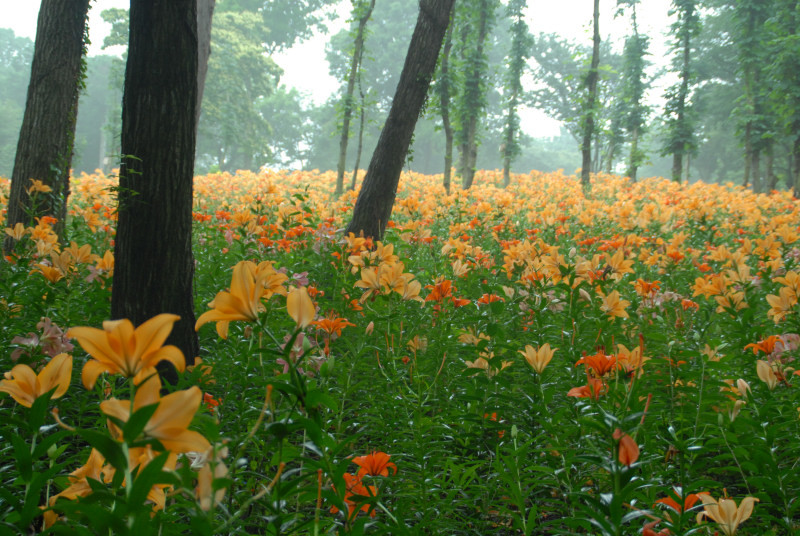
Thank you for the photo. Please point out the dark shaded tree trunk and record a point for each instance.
(44, 150)
(153, 250)
(364, 14)
(591, 96)
(375, 200)
(445, 88)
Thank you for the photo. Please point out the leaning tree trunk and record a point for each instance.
(153, 250)
(360, 148)
(591, 96)
(44, 150)
(376, 198)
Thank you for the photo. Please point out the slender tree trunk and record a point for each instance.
(362, 121)
(634, 167)
(475, 75)
(591, 96)
(756, 172)
(205, 13)
(44, 150)
(375, 200)
(444, 100)
(153, 250)
(748, 154)
(769, 174)
(355, 66)
(795, 168)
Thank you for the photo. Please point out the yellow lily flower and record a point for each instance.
(613, 305)
(767, 374)
(725, 512)
(25, 386)
(169, 424)
(243, 302)
(95, 468)
(119, 348)
(538, 358)
(300, 306)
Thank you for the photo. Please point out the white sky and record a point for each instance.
(306, 69)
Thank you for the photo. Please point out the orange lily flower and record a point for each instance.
(766, 345)
(118, 348)
(688, 502)
(375, 464)
(354, 486)
(25, 386)
(600, 363)
(593, 389)
(628, 451)
(169, 424)
(725, 512)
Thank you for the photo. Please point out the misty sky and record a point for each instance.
(306, 69)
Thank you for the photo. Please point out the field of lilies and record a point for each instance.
(534, 360)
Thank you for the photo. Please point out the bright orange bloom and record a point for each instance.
(440, 291)
(375, 464)
(646, 288)
(593, 389)
(600, 363)
(688, 502)
(243, 302)
(332, 325)
(766, 345)
(489, 298)
(628, 449)
(355, 487)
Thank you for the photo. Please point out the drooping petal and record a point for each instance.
(300, 306)
(91, 370)
(20, 383)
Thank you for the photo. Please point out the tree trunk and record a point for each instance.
(355, 66)
(444, 100)
(360, 148)
(376, 198)
(677, 166)
(634, 168)
(153, 250)
(205, 12)
(769, 172)
(755, 170)
(44, 150)
(748, 154)
(591, 96)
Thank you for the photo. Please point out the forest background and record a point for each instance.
(272, 101)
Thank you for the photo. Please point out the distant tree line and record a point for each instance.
(730, 115)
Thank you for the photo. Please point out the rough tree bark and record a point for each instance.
(153, 250)
(376, 198)
(591, 96)
(44, 150)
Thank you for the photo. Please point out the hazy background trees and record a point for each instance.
(742, 92)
